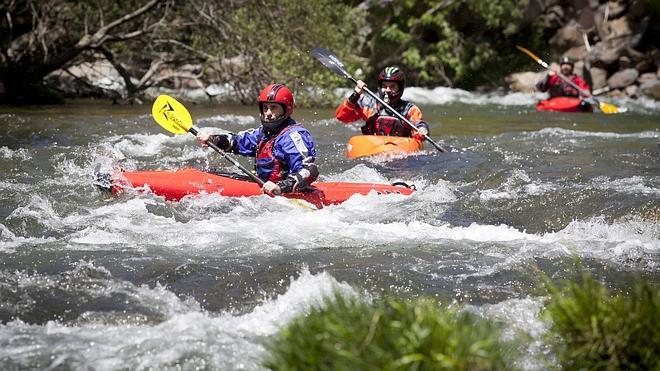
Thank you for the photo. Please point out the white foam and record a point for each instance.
(241, 120)
(517, 185)
(632, 185)
(522, 315)
(560, 132)
(21, 154)
(223, 342)
(444, 95)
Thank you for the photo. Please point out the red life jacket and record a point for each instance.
(385, 123)
(268, 167)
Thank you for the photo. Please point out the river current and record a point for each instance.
(89, 280)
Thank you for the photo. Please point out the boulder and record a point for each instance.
(631, 90)
(646, 77)
(616, 8)
(568, 36)
(615, 93)
(598, 77)
(607, 53)
(620, 27)
(624, 62)
(651, 88)
(577, 53)
(645, 65)
(97, 78)
(524, 81)
(623, 78)
(638, 9)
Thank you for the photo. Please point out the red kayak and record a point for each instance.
(174, 185)
(564, 104)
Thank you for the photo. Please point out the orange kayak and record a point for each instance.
(174, 185)
(369, 145)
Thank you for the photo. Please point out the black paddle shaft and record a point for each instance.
(335, 65)
(235, 162)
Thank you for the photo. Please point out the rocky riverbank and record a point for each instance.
(614, 44)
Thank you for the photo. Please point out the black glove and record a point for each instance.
(222, 141)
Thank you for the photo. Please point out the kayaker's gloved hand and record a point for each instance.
(422, 130)
(271, 188)
(359, 89)
(222, 141)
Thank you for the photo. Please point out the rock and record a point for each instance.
(586, 19)
(638, 9)
(524, 81)
(624, 62)
(577, 53)
(651, 88)
(607, 53)
(645, 65)
(646, 76)
(567, 36)
(553, 17)
(631, 90)
(615, 93)
(616, 8)
(623, 78)
(620, 27)
(97, 78)
(598, 77)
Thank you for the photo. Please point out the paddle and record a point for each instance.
(335, 65)
(175, 118)
(606, 108)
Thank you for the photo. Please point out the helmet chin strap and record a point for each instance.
(273, 126)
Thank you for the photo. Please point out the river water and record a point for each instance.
(94, 281)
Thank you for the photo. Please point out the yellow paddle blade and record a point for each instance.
(171, 115)
(608, 108)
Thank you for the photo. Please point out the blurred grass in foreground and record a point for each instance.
(392, 334)
(595, 329)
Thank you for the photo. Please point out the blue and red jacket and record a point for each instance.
(287, 157)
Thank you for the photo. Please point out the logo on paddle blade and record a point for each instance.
(166, 108)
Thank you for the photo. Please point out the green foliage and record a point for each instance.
(594, 329)
(255, 43)
(393, 334)
(461, 43)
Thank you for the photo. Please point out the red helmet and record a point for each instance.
(277, 93)
(393, 74)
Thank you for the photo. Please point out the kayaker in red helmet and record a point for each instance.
(557, 87)
(284, 151)
(378, 120)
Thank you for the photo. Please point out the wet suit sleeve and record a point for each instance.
(247, 142)
(547, 82)
(416, 118)
(296, 149)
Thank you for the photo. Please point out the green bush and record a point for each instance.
(393, 334)
(594, 329)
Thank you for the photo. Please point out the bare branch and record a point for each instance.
(96, 40)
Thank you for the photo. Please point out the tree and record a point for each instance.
(248, 44)
(447, 42)
(39, 37)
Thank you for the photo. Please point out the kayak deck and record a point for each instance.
(369, 145)
(564, 104)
